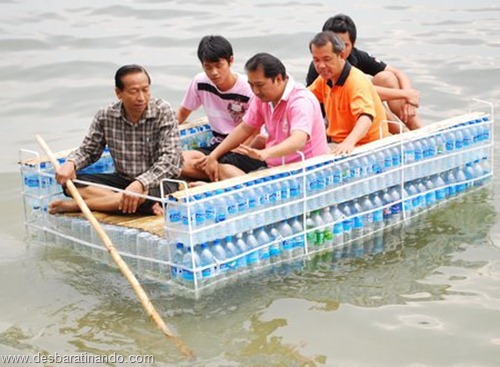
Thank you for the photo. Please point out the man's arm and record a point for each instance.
(182, 114)
(293, 143)
(358, 132)
(242, 132)
(411, 96)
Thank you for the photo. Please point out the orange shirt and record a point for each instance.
(350, 97)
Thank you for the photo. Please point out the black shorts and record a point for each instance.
(119, 182)
(243, 162)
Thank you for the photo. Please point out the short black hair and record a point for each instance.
(323, 38)
(270, 65)
(128, 69)
(214, 48)
(341, 23)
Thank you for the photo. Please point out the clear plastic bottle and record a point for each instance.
(243, 252)
(366, 207)
(275, 247)
(232, 251)
(253, 258)
(177, 259)
(263, 241)
(287, 244)
(450, 180)
(338, 227)
(347, 223)
(191, 263)
(207, 263)
(357, 223)
(439, 187)
(460, 179)
(219, 254)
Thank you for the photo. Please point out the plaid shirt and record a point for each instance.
(147, 151)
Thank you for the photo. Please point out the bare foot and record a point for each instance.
(63, 206)
(157, 209)
(197, 183)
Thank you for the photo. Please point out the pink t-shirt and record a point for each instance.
(298, 109)
(224, 110)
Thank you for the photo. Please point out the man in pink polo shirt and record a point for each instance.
(291, 115)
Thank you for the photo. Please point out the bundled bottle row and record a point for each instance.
(196, 137)
(364, 218)
(360, 221)
(39, 180)
(266, 200)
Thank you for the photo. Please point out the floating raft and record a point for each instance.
(264, 220)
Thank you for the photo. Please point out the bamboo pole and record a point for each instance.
(139, 291)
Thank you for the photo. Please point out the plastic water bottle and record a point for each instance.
(263, 239)
(338, 227)
(450, 181)
(219, 254)
(220, 206)
(191, 263)
(287, 244)
(253, 258)
(320, 229)
(310, 232)
(440, 144)
(413, 196)
(357, 222)
(298, 238)
(378, 213)
(409, 152)
(347, 223)
(439, 186)
(327, 219)
(275, 246)
(387, 200)
(31, 186)
(430, 195)
(459, 139)
(232, 252)
(173, 214)
(378, 222)
(243, 250)
(366, 207)
(199, 211)
(177, 259)
(460, 179)
(397, 204)
(207, 263)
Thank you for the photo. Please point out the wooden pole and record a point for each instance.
(139, 291)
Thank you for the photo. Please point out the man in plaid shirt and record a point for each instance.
(143, 138)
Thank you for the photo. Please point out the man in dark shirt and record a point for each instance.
(391, 84)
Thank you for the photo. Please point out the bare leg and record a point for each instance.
(388, 79)
(96, 198)
(228, 171)
(190, 170)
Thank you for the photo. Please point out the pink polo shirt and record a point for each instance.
(299, 110)
(224, 110)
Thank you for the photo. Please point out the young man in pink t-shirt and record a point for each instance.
(291, 115)
(224, 95)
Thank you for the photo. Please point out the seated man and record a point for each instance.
(353, 108)
(143, 138)
(224, 96)
(391, 84)
(289, 112)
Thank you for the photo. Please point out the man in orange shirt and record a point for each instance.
(353, 108)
